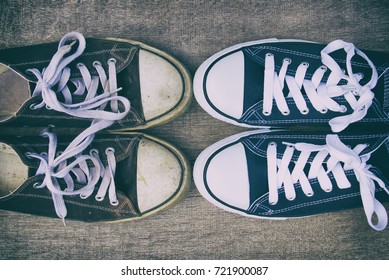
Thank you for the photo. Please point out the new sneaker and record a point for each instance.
(282, 175)
(275, 83)
(92, 178)
(70, 83)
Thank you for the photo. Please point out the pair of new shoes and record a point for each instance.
(102, 92)
(299, 167)
(90, 99)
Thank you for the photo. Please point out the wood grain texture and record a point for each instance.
(192, 31)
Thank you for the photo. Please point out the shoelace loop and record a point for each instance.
(319, 94)
(71, 167)
(340, 159)
(57, 74)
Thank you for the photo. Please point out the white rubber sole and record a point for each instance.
(201, 71)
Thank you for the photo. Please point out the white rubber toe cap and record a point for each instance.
(159, 175)
(225, 84)
(227, 177)
(160, 83)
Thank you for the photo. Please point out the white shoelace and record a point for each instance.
(71, 167)
(339, 154)
(321, 94)
(57, 74)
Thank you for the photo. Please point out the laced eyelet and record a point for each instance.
(309, 194)
(114, 203)
(269, 54)
(306, 64)
(48, 107)
(272, 144)
(79, 65)
(27, 155)
(112, 60)
(44, 154)
(288, 60)
(109, 149)
(290, 198)
(272, 203)
(99, 198)
(324, 68)
(323, 111)
(286, 113)
(83, 196)
(59, 153)
(266, 113)
(327, 190)
(96, 63)
(305, 111)
(36, 185)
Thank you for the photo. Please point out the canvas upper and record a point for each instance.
(279, 83)
(286, 175)
(148, 86)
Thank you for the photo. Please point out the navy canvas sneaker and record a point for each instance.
(273, 83)
(91, 178)
(127, 84)
(283, 175)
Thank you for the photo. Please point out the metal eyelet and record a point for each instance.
(266, 113)
(269, 54)
(323, 111)
(288, 60)
(96, 63)
(112, 60)
(272, 203)
(83, 196)
(272, 143)
(309, 194)
(306, 64)
(114, 203)
(324, 68)
(285, 113)
(109, 149)
(305, 111)
(79, 65)
(36, 185)
(99, 198)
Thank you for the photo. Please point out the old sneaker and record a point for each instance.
(92, 178)
(69, 83)
(273, 83)
(285, 175)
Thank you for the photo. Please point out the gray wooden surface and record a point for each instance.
(192, 31)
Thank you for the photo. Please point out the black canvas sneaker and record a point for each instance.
(91, 178)
(279, 175)
(275, 83)
(125, 83)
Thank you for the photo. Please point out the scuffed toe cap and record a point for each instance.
(161, 85)
(159, 175)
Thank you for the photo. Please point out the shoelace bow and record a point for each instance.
(58, 74)
(280, 176)
(71, 167)
(320, 94)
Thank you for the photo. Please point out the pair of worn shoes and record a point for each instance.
(293, 92)
(90, 100)
(99, 93)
